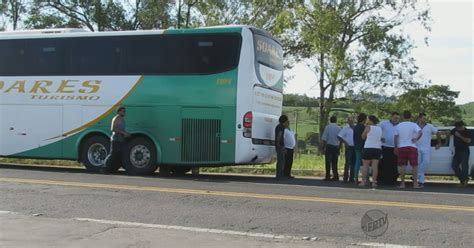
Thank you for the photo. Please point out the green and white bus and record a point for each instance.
(196, 97)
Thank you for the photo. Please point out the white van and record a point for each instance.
(441, 159)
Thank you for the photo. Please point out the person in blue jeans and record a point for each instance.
(359, 144)
(346, 136)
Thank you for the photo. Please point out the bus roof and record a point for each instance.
(44, 31)
(64, 33)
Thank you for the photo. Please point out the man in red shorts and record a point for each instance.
(407, 133)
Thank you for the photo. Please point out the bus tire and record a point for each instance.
(140, 157)
(94, 150)
(180, 170)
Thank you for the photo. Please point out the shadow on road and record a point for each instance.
(438, 187)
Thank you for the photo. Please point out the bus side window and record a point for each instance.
(94, 56)
(13, 58)
(144, 56)
(47, 57)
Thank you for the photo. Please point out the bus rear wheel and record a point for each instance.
(140, 157)
(94, 150)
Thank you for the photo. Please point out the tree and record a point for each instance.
(375, 104)
(437, 101)
(246, 12)
(352, 45)
(40, 18)
(95, 15)
(189, 4)
(152, 14)
(13, 11)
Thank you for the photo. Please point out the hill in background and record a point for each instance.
(468, 113)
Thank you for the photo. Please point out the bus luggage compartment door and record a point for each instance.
(30, 131)
(201, 134)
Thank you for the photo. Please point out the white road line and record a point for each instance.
(385, 245)
(6, 212)
(194, 229)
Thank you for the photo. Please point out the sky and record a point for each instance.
(447, 60)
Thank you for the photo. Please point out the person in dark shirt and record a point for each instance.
(462, 139)
(280, 145)
(359, 143)
(117, 143)
(388, 171)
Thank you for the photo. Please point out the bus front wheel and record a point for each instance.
(140, 157)
(94, 150)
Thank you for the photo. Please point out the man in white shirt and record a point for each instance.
(407, 134)
(331, 149)
(346, 136)
(424, 146)
(290, 144)
(388, 172)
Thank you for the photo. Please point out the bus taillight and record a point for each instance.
(248, 125)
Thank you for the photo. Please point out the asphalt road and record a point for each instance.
(213, 210)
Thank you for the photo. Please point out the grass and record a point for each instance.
(301, 162)
(303, 165)
(65, 163)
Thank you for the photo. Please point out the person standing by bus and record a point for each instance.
(330, 147)
(388, 172)
(117, 143)
(462, 140)
(359, 144)
(372, 150)
(424, 146)
(290, 144)
(280, 145)
(407, 134)
(346, 136)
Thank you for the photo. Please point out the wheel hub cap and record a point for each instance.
(140, 156)
(97, 154)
